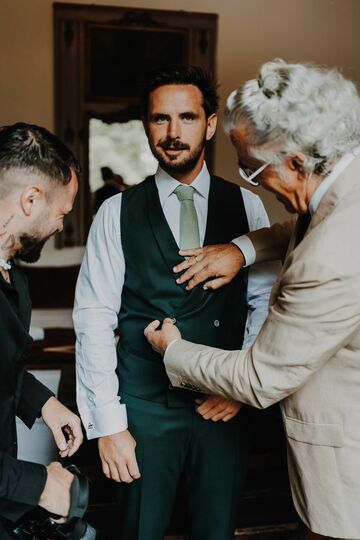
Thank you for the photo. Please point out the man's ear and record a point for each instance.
(211, 126)
(31, 198)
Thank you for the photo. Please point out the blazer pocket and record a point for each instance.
(316, 434)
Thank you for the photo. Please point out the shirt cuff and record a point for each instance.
(246, 247)
(106, 420)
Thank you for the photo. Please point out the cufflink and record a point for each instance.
(90, 425)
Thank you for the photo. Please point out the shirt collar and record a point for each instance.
(166, 183)
(330, 179)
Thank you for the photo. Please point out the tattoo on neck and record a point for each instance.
(9, 243)
(8, 221)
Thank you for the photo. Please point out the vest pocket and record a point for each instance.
(316, 434)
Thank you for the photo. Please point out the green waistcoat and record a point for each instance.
(150, 292)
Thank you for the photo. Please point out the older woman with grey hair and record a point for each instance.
(296, 131)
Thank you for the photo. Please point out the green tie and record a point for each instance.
(189, 227)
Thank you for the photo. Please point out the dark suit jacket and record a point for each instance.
(21, 483)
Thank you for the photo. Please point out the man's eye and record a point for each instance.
(188, 117)
(159, 119)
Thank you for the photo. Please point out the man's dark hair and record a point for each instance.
(182, 74)
(36, 150)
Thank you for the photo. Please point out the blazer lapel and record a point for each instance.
(343, 186)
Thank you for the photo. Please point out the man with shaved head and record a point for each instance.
(38, 185)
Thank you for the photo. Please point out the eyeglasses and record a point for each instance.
(249, 175)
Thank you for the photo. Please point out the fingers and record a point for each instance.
(151, 328)
(228, 417)
(124, 473)
(191, 252)
(188, 262)
(211, 413)
(214, 284)
(210, 263)
(206, 404)
(74, 431)
(168, 321)
(59, 439)
(216, 408)
(190, 267)
(199, 277)
(74, 437)
(191, 273)
(58, 418)
(105, 468)
(133, 468)
(114, 472)
(121, 471)
(117, 453)
(221, 415)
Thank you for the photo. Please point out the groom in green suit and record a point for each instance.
(151, 434)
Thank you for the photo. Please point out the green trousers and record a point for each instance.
(172, 442)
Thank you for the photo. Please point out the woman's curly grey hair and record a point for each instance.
(294, 108)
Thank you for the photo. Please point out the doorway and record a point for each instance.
(101, 55)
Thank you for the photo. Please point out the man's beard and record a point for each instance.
(31, 247)
(186, 165)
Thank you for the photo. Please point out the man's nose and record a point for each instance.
(174, 131)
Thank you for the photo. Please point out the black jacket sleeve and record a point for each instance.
(32, 398)
(21, 484)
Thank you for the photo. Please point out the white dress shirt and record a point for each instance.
(99, 289)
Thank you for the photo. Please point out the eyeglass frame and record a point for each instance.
(250, 178)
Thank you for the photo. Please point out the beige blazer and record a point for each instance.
(307, 356)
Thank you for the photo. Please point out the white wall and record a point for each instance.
(250, 32)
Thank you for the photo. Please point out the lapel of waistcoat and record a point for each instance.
(161, 230)
(193, 300)
(214, 215)
(218, 214)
